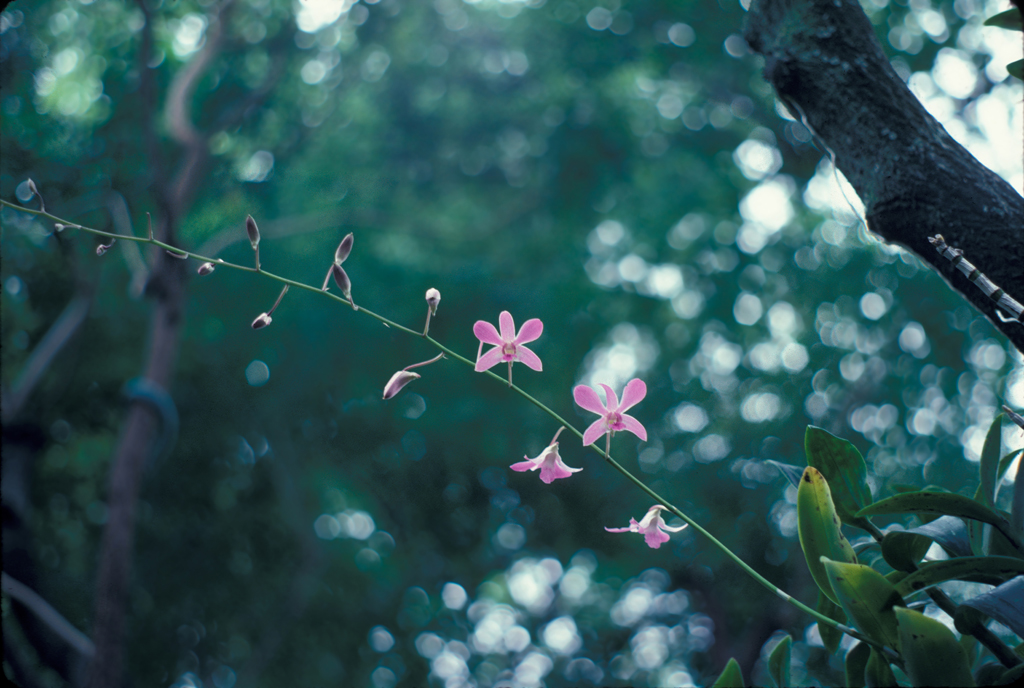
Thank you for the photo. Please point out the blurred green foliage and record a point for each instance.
(619, 170)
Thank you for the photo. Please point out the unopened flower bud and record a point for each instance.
(433, 298)
(344, 248)
(261, 321)
(58, 227)
(252, 231)
(103, 248)
(32, 187)
(206, 269)
(342, 280)
(397, 382)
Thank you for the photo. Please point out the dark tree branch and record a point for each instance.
(825, 63)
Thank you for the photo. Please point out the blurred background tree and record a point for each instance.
(619, 170)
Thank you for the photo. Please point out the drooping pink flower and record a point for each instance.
(653, 527)
(613, 416)
(508, 346)
(549, 462)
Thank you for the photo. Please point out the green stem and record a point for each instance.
(821, 618)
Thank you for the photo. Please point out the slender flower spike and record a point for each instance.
(653, 527)
(549, 462)
(613, 416)
(508, 346)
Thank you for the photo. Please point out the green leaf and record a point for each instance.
(1010, 19)
(843, 468)
(931, 653)
(990, 570)
(830, 636)
(856, 662)
(927, 502)
(867, 598)
(1004, 463)
(990, 462)
(1016, 68)
(778, 662)
(877, 673)
(819, 528)
(731, 676)
(1005, 604)
(902, 550)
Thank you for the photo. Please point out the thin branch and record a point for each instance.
(53, 619)
(59, 334)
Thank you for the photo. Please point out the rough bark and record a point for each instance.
(825, 63)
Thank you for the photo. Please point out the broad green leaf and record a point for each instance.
(947, 503)
(856, 662)
(989, 674)
(1004, 463)
(990, 462)
(877, 673)
(1010, 19)
(931, 653)
(731, 676)
(902, 550)
(950, 532)
(1012, 677)
(867, 598)
(1016, 68)
(778, 662)
(990, 570)
(791, 472)
(830, 636)
(819, 528)
(844, 468)
(1005, 604)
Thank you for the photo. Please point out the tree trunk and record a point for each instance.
(915, 181)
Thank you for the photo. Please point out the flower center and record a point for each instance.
(509, 349)
(614, 420)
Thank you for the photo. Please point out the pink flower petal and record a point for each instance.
(527, 465)
(611, 401)
(594, 432)
(530, 331)
(528, 357)
(587, 398)
(488, 360)
(486, 333)
(617, 530)
(654, 538)
(508, 327)
(553, 470)
(634, 393)
(634, 426)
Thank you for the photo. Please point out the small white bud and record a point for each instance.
(433, 298)
(261, 321)
(397, 382)
(206, 269)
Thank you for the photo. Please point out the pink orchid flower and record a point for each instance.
(549, 462)
(612, 414)
(508, 346)
(653, 527)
